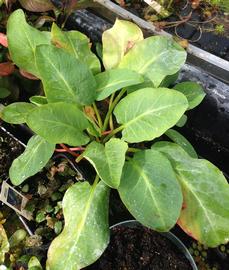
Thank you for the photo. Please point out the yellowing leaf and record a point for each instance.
(118, 40)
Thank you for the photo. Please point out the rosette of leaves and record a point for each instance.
(160, 185)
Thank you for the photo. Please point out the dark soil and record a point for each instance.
(9, 150)
(138, 249)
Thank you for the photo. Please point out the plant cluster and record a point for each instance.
(119, 119)
(46, 190)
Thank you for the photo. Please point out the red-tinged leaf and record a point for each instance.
(6, 68)
(27, 75)
(3, 40)
(205, 212)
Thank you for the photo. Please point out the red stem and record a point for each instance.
(106, 132)
(69, 150)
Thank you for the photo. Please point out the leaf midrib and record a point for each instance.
(147, 182)
(189, 187)
(82, 221)
(32, 150)
(71, 91)
(148, 112)
(63, 124)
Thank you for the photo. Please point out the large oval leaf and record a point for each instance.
(64, 77)
(108, 161)
(112, 80)
(205, 211)
(77, 44)
(37, 153)
(148, 113)
(59, 123)
(17, 112)
(118, 40)
(193, 92)
(150, 190)
(22, 40)
(155, 57)
(86, 232)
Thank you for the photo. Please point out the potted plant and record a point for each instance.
(120, 120)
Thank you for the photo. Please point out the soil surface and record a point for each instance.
(9, 150)
(198, 25)
(138, 249)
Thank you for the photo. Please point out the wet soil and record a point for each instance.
(9, 150)
(142, 249)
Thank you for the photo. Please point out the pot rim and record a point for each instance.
(176, 241)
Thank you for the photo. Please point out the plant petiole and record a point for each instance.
(111, 108)
(100, 123)
(113, 132)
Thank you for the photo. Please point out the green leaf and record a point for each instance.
(205, 211)
(17, 237)
(10, 86)
(32, 160)
(112, 80)
(146, 84)
(150, 191)
(108, 161)
(86, 232)
(22, 40)
(169, 80)
(34, 264)
(38, 100)
(77, 44)
(147, 113)
(182, 141)
(193, 92)
(59, 123)
(4, 244)
(182, 121)
(118, 40)
(155, 58)
(64, 77)
(17, 112)
(4, 92)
